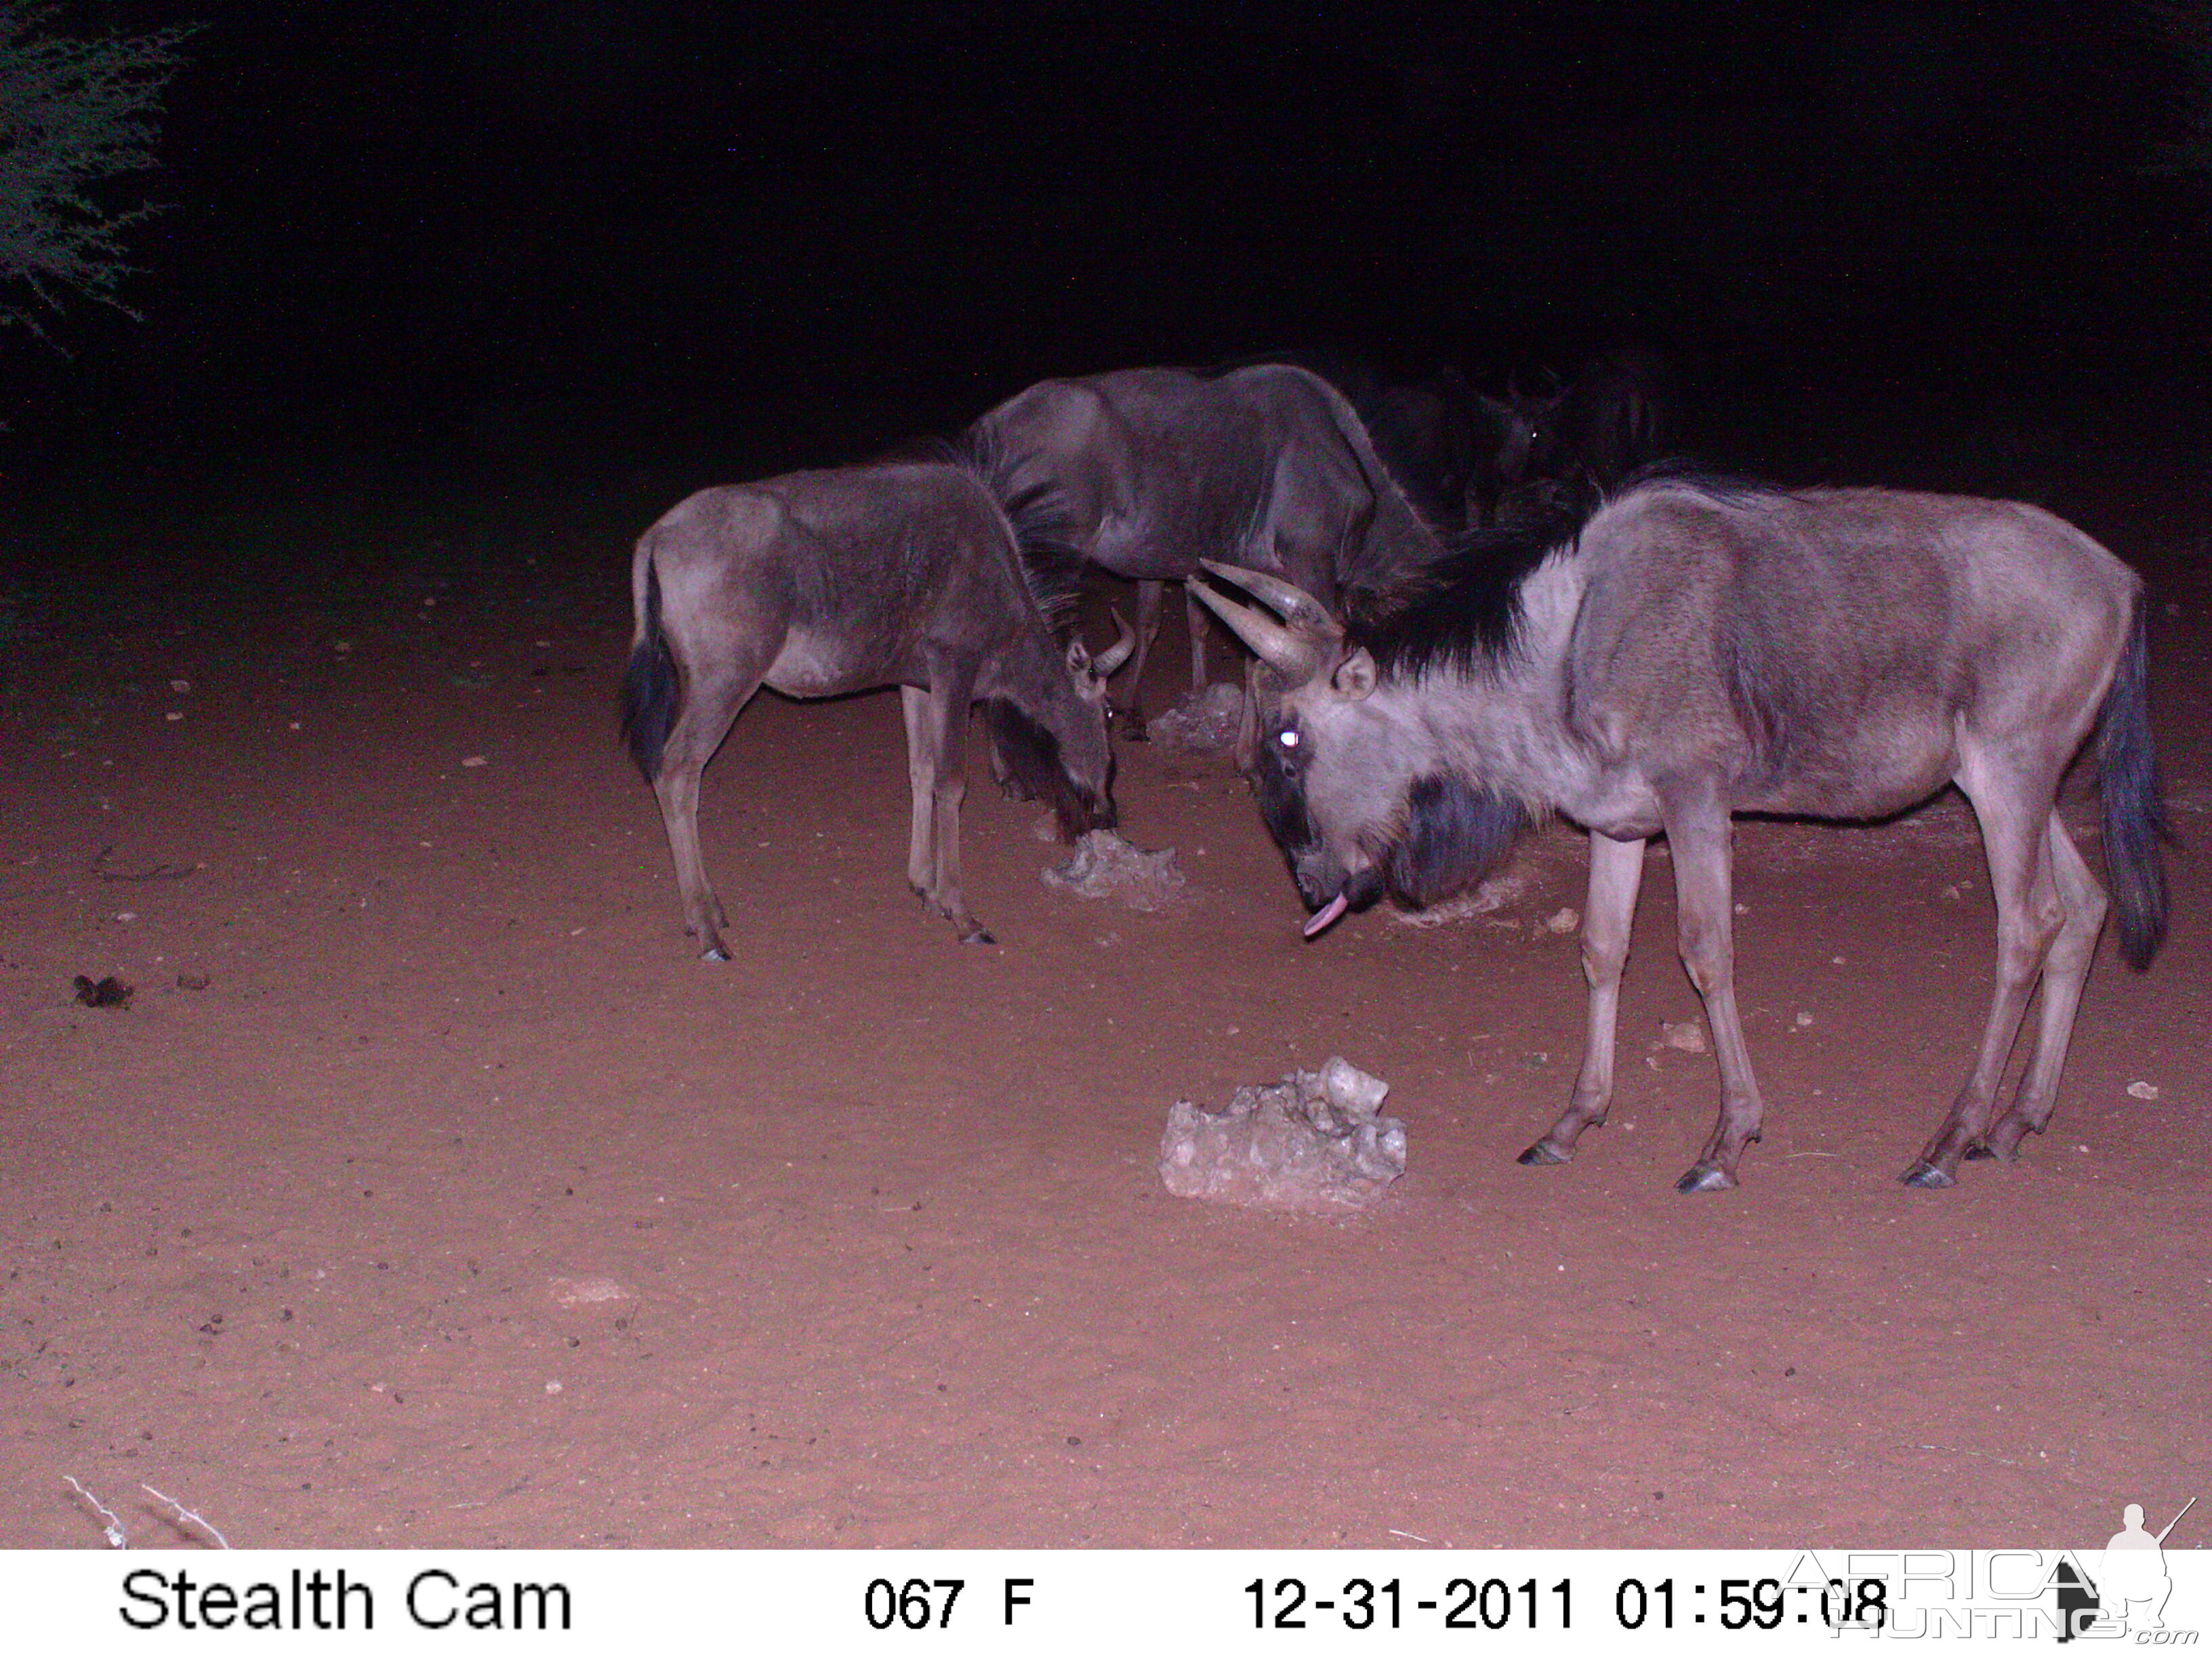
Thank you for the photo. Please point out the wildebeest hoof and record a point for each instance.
(1927, 1177)
(714, 953)
(978, 936)
(1705, 1179)
(1539, 1155)
(1978, 1152)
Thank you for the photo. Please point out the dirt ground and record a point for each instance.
(430, 1192)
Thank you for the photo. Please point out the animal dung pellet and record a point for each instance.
(108, 993)
(1315, 1141)
(1106, 866)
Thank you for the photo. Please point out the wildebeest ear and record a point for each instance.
(1355, 675)
(1079, 657)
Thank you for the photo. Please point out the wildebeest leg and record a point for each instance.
(1698, 832)
(1248, 724)
(1616, 874)
(1195, 619)
(1148, 627)
(921, 777)
(2015, 818)
(2065, 969)
(936, 732)
(711, 702)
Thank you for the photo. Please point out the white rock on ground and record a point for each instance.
(1205, 722)
(1106, 866)
(1315, 1141)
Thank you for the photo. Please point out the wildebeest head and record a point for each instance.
(1525, 425)
(1051, 736)
(1354, 788)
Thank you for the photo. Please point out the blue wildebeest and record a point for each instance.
(1698, 648)
(1430, 433)
(1267, 466)
(1620, 415)
(931, 576)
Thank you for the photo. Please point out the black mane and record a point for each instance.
(1463, 612)
(1044, 524)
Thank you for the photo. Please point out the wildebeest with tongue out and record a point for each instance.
(1700, 647)
(934, 576)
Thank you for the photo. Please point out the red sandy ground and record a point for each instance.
(419, 1063)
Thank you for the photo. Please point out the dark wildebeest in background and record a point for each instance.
(927, 576)
(1577, 442)
(1433, 436)
(1701, 648)
(1267, 466)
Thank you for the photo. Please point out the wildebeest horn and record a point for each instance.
(1304, 613)
(1294, 654)
(1115, 655)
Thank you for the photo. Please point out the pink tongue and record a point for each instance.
(1322, 918)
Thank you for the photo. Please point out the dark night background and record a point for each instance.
(1891, 241)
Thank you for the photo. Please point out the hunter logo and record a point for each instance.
(2128, 1596)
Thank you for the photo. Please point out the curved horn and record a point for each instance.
(1294, 656)
(1125, 642)
(1303, 612)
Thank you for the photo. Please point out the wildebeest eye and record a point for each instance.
(1289, 739)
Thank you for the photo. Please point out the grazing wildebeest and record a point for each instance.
(1620, 415)
(931, 576)
(1703, 648)
(1267, 466)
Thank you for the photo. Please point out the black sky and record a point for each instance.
(425, 227)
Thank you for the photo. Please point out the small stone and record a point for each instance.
(1563, 921)
(1803, 1019)
(473, 760)
(180, 685)
(2143, 1091)
(1687, 1035)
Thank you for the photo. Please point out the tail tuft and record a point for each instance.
(2135, 806)
(653, 692)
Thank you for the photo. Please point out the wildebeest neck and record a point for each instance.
(1464, 612)
(1456, 833)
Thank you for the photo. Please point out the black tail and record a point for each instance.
(653, 693)
(2135, 809)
